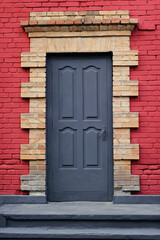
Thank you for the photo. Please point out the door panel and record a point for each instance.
(79, 127)
(90, 92)
(66, 92)
(91, 148)
(67, 147)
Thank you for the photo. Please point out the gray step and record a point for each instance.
(80, 215)
(82, 221)
(100, 233)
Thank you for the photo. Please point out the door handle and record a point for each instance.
(103, 134)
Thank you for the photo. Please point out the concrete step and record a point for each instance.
(80, 215)
(79, 220)
(82, 221)
(93, 233)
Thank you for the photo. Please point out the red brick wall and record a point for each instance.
(13, 41)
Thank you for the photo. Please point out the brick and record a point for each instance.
(107, 12)
(88, 20)
(82, 13)
(125, 88)
(69, 22)
(33, 90)
(24, 23)
(33, 60)
(133, 21)
(33, 120)
(32, 152)
(106, 21)
(52, 22)
(60, 22)
(115, 20)
(55, 14)
(125, 120)
(38, 14)
(128, 182)
(33, 22)
(78, 21)
(97, 21)
(70, 13)
(42, 22)
(126, 151)
(125, 63)
(124, 21)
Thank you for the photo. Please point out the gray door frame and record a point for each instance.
(109, 119)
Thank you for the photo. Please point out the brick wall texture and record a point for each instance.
(14, 40)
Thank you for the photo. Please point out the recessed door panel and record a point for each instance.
(79, 127)
(91, 92)
(66, 92)
(67, 145)
(91, 148)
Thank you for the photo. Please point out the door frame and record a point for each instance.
(68, 32)
(109, 118)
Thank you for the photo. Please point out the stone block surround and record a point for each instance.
(67, 32)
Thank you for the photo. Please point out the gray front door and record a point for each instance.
(79, 127)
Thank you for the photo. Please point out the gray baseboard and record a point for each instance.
(133, 199)
(21, 199)
(137, 199)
